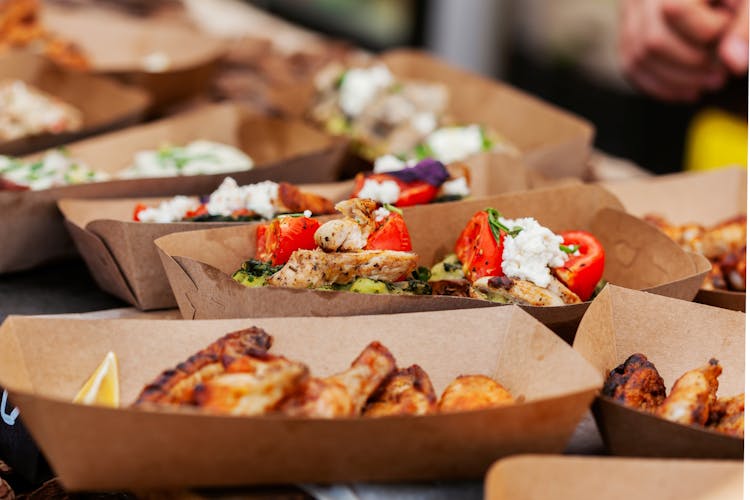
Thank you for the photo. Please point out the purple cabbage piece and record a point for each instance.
(428, 170)
(205, 198)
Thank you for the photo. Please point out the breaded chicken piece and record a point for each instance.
(728, 415)
(407, 391)
(315, 268)
(343, 394)
(636, 383)
(734, 267)
(522, 292)
(176, 386)
(251, 386)
(293, 200)
(473, 392)
(725, 237)
(692, 395)
(714, 280)
(350, 233)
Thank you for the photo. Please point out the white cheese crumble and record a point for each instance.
(56, 168)
(381, 214)
(451, 144)
(229, 197)
(383, 192)
(424, 123)
(388, 163)
(307, 213)
(532, 252)
(156, 62)
(169, 211)
(197, 158)
(456, 187)
(360, 86)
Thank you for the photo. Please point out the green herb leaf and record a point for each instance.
(487, 143)
(421, 274)
(340, 80)
(393, 209)
(496, 226)
(423, 151)
(568, 250)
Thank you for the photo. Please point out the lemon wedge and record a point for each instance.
(103, 387)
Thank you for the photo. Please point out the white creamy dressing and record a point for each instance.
(197, 158)
(383, 192)
(359, 87)
(530, 254)
(449, 144)
(56, 168)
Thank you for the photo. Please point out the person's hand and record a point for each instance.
(733, 47)
(668, 47)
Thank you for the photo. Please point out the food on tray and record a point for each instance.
(56, 168)
(692, 401)
(723, 244)
(404, 184)
(21, 26)
(384, 115)
(520, 261)
(231, 202)
(26, 111)
(237, 375)
(369, 251)
(196, 158)
(103, 386)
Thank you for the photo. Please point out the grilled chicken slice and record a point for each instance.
(692, 396)
(636, 383)
(728, 415)
(252, 385)
(407, 391)
(315, 268)
(343, 394)
(293, 200)
(473, 392)
(176, 386)
(350, 233)
(515, 291)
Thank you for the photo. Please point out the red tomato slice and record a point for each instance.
(411, 193)
(278, 239)
(198, 211)
(140, 207)
(478, 250)
(581, 273)
(392, 234)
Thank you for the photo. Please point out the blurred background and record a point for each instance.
(564, 51)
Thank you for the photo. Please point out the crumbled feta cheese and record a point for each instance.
(388, 163)
(197, 158)
(424, 123)
(383, 192)
(360, 86)
(56, 168)
(451, 144)
(381, 214)
(532, 252)
(456, 187)
(169, 211)
(229, 197)
(156, 62)
(307, 213)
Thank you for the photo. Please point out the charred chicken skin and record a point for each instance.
(636, 383)
(728, 415)
(473, 392)
(407, 391)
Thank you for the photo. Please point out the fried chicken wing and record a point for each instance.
(407, 391)
(295, 200)
(350, 233)
(345, 393)
(728, 415)
(692, 395)
(636, 383)
(175, 386)
(315, 268)
(473, 392)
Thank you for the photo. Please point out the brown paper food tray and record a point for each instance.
(123, 260)
(44, 361)
(552, 141)
(199, 264)
(116, 45)
(538, 477)
(681, 198)
(676, 336)
(104, 104)
(282, 150)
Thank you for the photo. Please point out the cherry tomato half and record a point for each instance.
(278, 239)
(581, 273)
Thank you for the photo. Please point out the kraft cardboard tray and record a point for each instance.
(199, 264)
(43, 362)
(676, 336)
(706, 198)
(120, 45)
(538, 477)
(104, 104)
(554, 142)
(282, 150)
(123, 260)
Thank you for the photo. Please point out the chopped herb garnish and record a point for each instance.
(421, 274)
(496, 226)
(393, 209)
(570, 249)
(423, 151)
(487, 143)
(340, 80)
